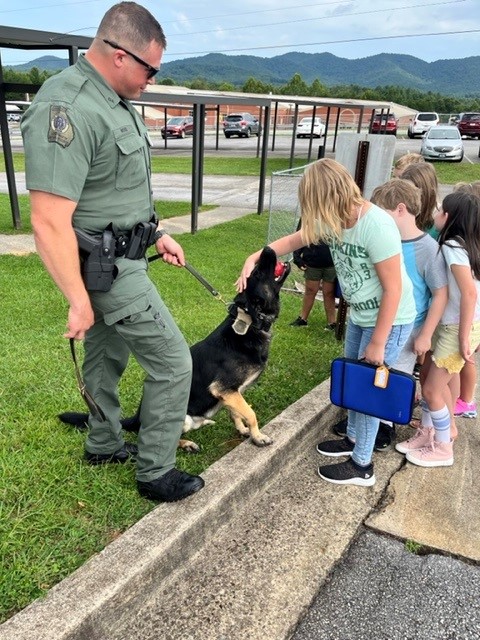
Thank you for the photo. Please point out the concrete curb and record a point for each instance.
(125, 573)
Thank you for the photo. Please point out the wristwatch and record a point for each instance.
(158, 234)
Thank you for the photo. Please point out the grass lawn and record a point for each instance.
(55, 510)
(213, 165)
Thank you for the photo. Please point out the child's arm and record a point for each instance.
(389, 274)
(284, 245)
(423, 341)
(468, 299)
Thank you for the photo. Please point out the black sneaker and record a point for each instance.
(385, 436)
(299, 322)
(331, 326)
(348, 472)
(172, 486)
(340, 428)
(336, 448)
(129, 451)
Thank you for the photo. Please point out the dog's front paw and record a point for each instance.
(188, 446)
(262, 440)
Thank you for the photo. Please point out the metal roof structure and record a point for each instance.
(162, 96)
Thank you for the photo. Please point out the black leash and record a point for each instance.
(197, 275)
(93, 407)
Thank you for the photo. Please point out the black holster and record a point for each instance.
(97, 259)
(141, 237)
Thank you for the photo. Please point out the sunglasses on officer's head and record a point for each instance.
(151, 71)
(93, 407)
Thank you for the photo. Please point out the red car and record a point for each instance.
(469, 125)
(178, 127)
(384, 124)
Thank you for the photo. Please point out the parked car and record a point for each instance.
(242, 125)
(421, 123)
(383, 124)
(469, 124)
(442, 142)
(178, 127)
(304, 128)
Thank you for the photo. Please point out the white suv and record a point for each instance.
(421, 123)
(305, 129)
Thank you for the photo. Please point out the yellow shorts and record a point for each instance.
(445, 352)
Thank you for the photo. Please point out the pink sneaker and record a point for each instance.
(465, 409)
(438, 454)
(423, 438)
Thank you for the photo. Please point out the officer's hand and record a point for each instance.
(80, 319)
(170, 251)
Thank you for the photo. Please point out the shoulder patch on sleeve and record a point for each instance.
(61, 129)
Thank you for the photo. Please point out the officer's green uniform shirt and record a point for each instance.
(83, 142)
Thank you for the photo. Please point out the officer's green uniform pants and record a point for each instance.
(132, 318)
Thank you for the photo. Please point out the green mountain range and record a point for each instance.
(460, 77)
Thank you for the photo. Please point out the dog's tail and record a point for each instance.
(80, 421)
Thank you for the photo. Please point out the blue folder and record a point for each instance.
(352, 387)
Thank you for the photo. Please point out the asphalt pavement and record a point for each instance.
(268, 551)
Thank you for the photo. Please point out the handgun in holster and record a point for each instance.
(97, 256)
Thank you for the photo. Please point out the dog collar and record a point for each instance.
(243, 320)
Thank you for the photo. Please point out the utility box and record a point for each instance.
(379, 160)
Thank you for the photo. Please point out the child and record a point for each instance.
(316, 262)
(465, 405)
(424, 176)
(458, 333)
(425, 266)
(405, 161)
(423, 262)
(366, 250)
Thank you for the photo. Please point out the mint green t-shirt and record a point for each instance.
(374, 238)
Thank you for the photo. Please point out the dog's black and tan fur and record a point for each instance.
(231, 358)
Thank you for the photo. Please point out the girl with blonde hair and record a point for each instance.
(367, 254)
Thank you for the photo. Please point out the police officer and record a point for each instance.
(88, 167)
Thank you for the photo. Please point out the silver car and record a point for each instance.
(442, 142)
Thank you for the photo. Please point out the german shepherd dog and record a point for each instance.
(230, 359)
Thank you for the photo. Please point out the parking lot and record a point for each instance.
(282, 144)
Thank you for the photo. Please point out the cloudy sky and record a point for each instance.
(427, 29)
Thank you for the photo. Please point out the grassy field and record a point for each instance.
(448, 173)
(55, 510)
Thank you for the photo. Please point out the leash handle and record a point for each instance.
(194, 273)
(201, 279)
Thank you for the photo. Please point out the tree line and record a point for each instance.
(413, 98)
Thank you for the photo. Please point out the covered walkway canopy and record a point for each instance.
(159, 95)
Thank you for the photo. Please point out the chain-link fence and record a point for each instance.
(284, 210)
(284, 214)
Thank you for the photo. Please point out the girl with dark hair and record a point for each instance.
(457, 335)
